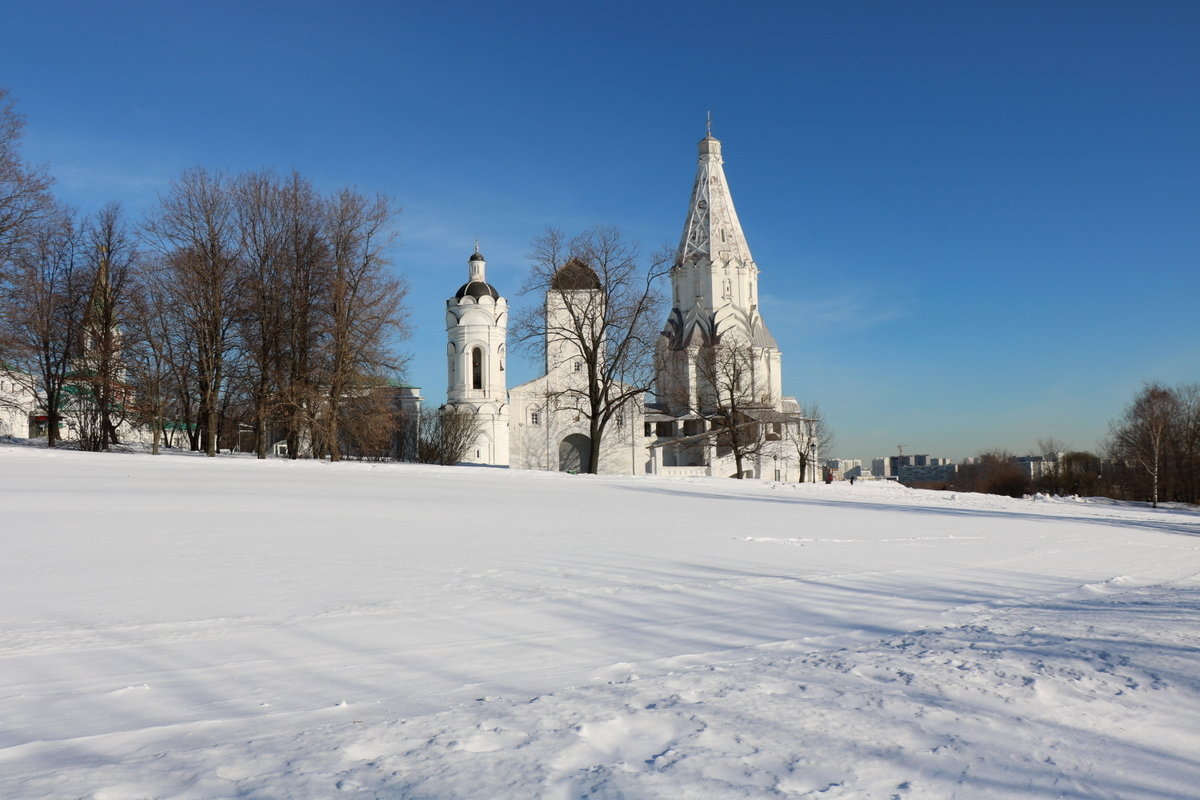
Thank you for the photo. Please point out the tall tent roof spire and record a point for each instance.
(712, 230)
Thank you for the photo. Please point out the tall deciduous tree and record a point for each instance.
(725, 369)
(100, 368)
(365, 306)
(24, 190)
(1149, 432)
(148, 353)
(303, 289)
(810, 438)
(195, 233)
(41, 317)
(603, 310)
(262, 229)
(280, 302)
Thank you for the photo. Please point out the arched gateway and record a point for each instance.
(574, 452)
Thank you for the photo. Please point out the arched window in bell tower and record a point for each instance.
(476, 368)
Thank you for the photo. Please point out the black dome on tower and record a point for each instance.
(477, 289)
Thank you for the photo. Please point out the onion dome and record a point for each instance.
(477, 289)
(477, 285)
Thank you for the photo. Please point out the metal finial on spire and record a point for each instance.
(708, 125)
(476, 244)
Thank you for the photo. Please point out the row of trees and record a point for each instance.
(249, 306)
(1158, 436)
(1152, 454)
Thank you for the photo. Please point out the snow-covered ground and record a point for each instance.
(181, 627)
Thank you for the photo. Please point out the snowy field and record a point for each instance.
(181, 627)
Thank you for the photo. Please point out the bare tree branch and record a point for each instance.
(602, 312)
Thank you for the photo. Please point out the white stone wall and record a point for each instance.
(16, 405)
(540, 420)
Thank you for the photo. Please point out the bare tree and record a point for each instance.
(1051, 448)
(195, 233)
(24, 190)
(1084, 473)
(811, 438)
(149, 355)
(262, 228)
(25, 208)
(994, 472)
(105, 394)
(302, 289)
(726, 372)
(1052, 478)
(444, 436)
(602, 312)
(371, 420)
(365, 308)
(42, 313)
(280, 308)
(1142, 433)
(1184, 448)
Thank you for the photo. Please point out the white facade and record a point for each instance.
(548, 429)
(547, 433)
(714, 291)
(476, 350)
(17, 404)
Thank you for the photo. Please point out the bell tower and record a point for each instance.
(476, 360)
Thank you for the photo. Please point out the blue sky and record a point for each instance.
(977, 222)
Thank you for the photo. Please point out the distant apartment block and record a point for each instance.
(843, 469)
(927, 473)
(1035, 466)
(914, 468)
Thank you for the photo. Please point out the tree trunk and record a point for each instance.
(594, 433)
(1154, 484)
(210, 434)
(335, 450)
(260, 433)
(52, 420)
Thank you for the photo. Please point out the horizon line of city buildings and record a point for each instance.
(920, 467)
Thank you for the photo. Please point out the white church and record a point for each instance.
(714, 292)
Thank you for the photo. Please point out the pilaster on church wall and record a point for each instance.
(500, 437)
(527, 442)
